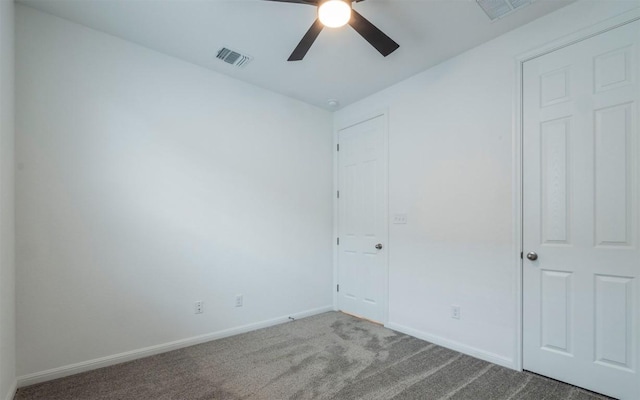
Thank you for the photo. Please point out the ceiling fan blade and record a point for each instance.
(308, 2)
(383, 43)
(306, 42)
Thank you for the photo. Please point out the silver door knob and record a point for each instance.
(532, 255)
(379, 246)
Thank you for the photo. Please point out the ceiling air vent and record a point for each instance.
(233, 57)
(496, 9)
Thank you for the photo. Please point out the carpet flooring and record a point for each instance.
(328, 356)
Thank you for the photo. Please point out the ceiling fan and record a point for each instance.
(336, 13)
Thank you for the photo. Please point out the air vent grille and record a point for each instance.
(233, 57)
(496, 9)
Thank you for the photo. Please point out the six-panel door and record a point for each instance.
(581, 213)
(362, 220)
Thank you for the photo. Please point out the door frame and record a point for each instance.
(343, 124)
(518, 157)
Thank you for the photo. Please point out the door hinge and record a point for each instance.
(521, 255)
(338, 195)
(338, 147)
(337, 288)
(338, 241)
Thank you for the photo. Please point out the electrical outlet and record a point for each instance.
(455, 312)
(199, 307)
(239, 300)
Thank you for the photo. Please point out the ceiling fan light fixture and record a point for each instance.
(334, 13)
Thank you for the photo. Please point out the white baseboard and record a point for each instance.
(12, 391)
(457, 346)
(89, 365)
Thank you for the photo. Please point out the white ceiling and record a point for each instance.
(340, 65)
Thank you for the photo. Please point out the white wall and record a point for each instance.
(451, 162)
(7, 264)
(144, 184)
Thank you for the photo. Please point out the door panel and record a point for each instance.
(581, 308)
(614, 328)
(554, 136)
(556, 310)
(613, 170)
(362, 217)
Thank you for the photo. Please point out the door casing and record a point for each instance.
(518, 130)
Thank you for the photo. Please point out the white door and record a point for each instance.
(362, 219)
(581, 297)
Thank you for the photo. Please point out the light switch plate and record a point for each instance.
(400, 218)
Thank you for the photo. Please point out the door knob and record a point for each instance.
(532, 255)
(379, 246)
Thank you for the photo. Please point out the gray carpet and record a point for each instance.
(328, 356)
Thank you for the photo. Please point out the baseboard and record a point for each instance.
(84, 366)
(12, 390)
(457, 346)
